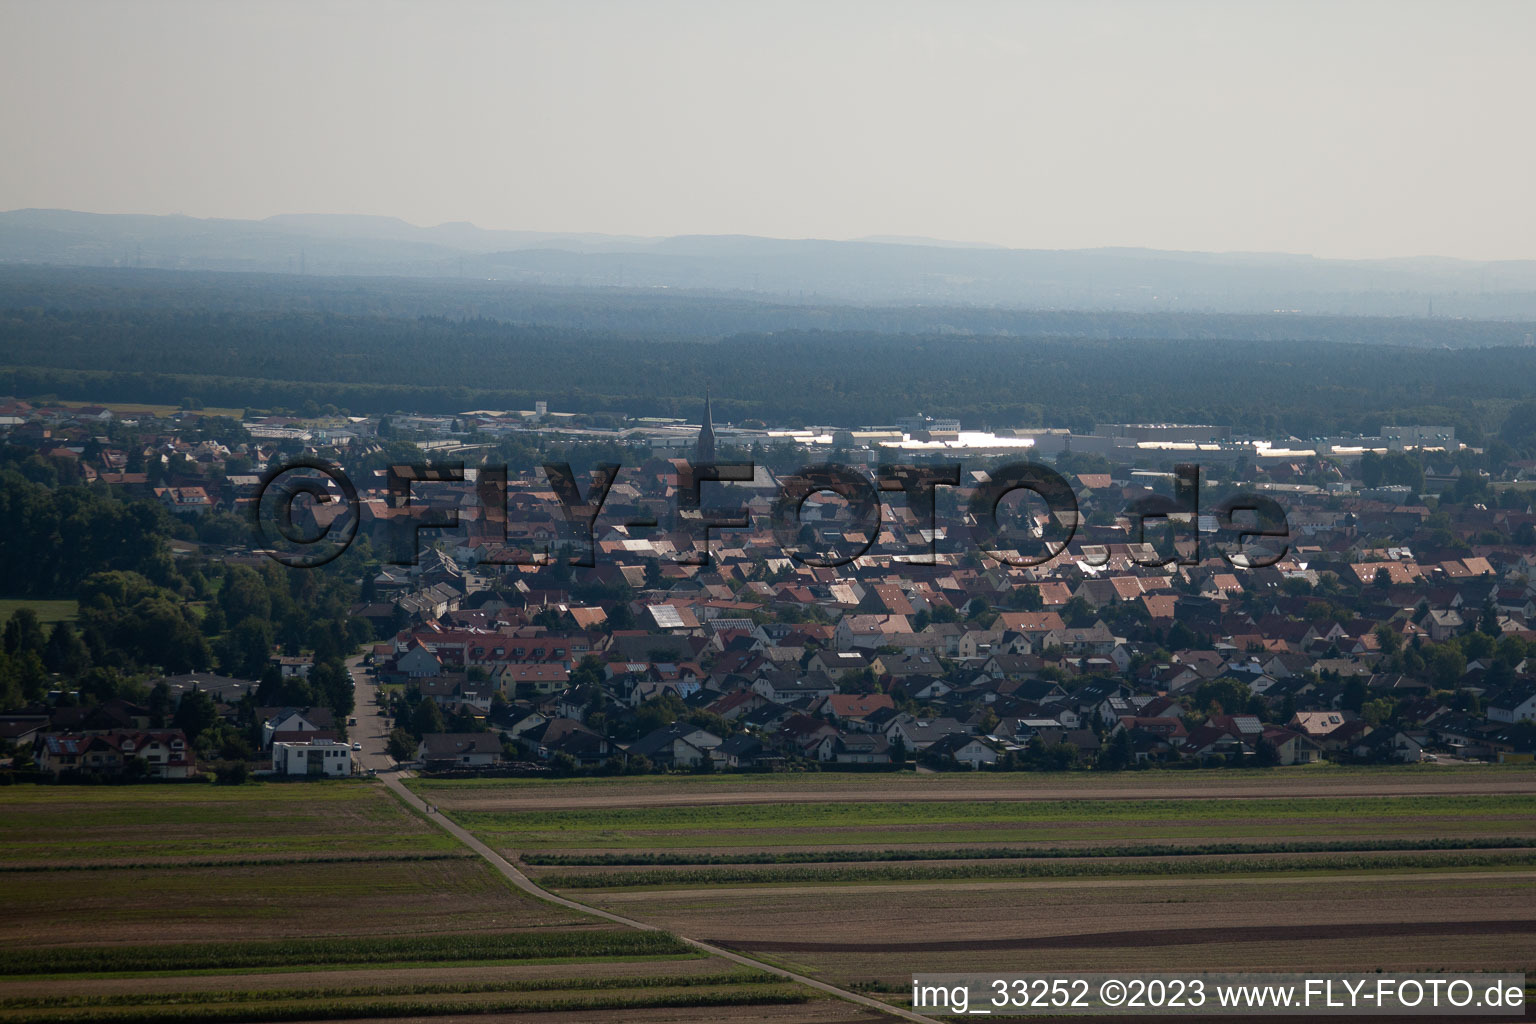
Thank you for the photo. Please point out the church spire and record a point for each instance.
(705, 449)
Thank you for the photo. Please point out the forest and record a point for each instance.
(245, 341)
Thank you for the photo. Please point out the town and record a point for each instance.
(1390, 622)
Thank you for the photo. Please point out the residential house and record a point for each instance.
(440, 750)
(312, 758)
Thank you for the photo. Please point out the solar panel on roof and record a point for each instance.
(666, 616)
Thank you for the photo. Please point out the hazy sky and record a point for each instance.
(1339, 129)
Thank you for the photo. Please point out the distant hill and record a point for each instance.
(883, 271)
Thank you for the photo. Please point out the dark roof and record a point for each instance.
(455, 744)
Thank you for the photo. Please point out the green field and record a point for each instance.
(48, 612)
(172, 824)
(118, 408)
(1190, 867)
(947, 822)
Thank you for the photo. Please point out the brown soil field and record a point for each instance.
(1168, 937)
(1257, 860)
(270, 901)
(1410, 921)
(1414, 828)
(287, 980)
(518, 796)
(819, 1011)
(1384, 951)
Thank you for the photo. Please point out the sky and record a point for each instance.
(1339, 129)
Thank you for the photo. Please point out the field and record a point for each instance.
(325, 900)
(173, 824)
(333, 900)
(48, 612)
(864, 880)
(128, 408)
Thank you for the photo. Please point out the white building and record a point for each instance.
(330, 758)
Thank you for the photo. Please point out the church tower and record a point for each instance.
(704, 451)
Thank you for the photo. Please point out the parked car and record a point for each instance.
(357, 746)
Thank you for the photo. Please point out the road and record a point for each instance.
(394, 781)
(372, 728)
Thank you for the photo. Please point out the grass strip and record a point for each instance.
(1039, 869)
(1019, 853)
(264, 1013)
(209, 998)
(241, 862)
(312, 952)
(714, 818)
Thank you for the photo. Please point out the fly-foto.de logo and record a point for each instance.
(308, 512)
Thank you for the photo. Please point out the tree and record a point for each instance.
(159, 705)
(1266, 754)
(1118, 754)
(23, 632)
(245, 651)
(1447, 665)
(428, 717)
(401, 745)
(65, 653)
(332, 684)
(1059, 757)
(1222, 695)
(11, 694)
(1488, 621)
(1378, 711)
(1078, 614)
(1353, 696)
(195, 714)
(244, 595)
(462, 720)
(231, 773)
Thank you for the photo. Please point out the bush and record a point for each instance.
(231, 773)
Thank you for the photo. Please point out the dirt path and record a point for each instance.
(522, 881)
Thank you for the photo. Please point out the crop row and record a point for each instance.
(236, 862)
(315, 952)
(273, 1012)
(1038, 869)
(208, 998)
(1018, 853)
(805, 815)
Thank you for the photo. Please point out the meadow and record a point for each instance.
(48, 612)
